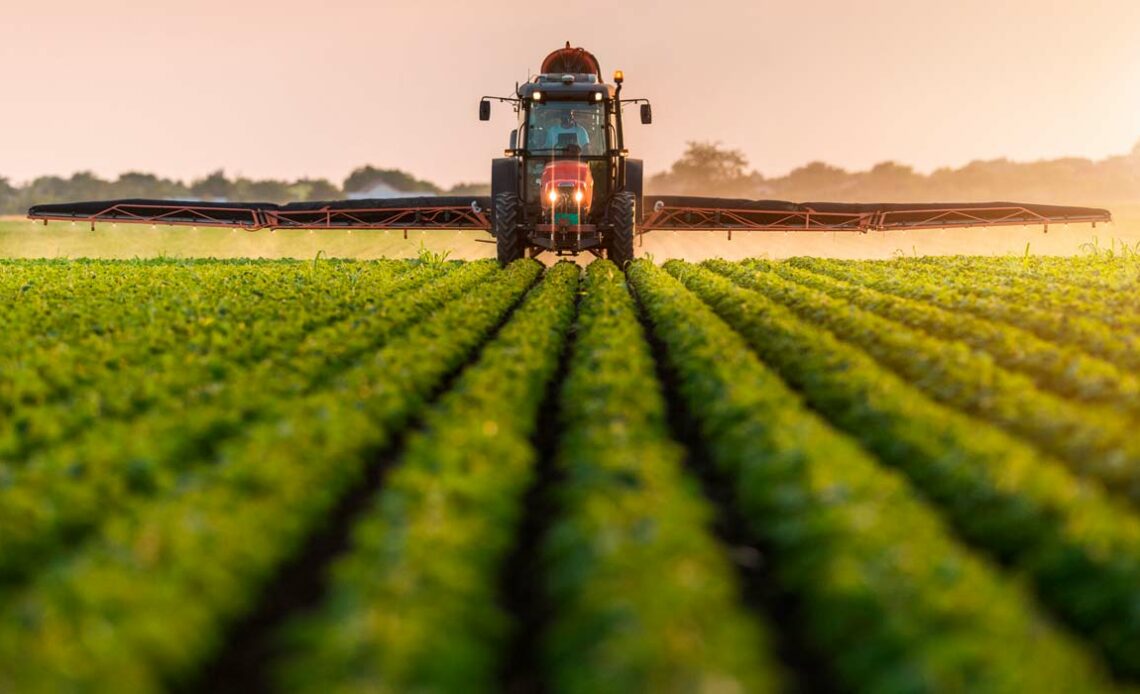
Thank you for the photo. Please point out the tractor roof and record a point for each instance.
(566, 87)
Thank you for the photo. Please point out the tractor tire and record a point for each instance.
(623, 217)
(506, 228)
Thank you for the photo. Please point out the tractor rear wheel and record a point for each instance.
(506, 228)
(623, 216)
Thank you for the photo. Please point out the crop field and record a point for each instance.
(808, 475)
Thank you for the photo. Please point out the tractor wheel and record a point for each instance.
(623, 216)
(506, 222)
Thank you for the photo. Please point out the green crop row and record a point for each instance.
(1095, 441)
(1055, 284)
(141, 375)
(1064, 370)
(889, 599)
(1050, 290)
(111, 314)
(1122, 349)
(65, 302)
(1080, 549)
(413, 605)
(643, 598)
(1103, 274)
(64, 492)
(148, 599)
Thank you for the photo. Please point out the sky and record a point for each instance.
(288, 89)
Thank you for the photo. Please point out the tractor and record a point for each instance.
(566, 183)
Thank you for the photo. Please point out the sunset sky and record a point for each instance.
(287, 89)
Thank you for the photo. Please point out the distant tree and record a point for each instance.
(9, 196)
(470, 189)
(311, 189)
(707, 161)
(366, 177)
(215, 186)
(81, 186)
(85, 185)
(980, 179)
(323, 189)
(889, 170)
(890, 182)
(268, 190)
(814, 180)
(144, 185)
(706, 167)
(47, 188)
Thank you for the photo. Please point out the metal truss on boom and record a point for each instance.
(675, 213)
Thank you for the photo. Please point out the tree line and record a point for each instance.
(217, 186)
(705, 168)
(708, 169)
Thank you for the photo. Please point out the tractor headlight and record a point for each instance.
(552, 196)
(579, 196)
(536, 95)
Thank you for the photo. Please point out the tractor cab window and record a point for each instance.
(569, 128)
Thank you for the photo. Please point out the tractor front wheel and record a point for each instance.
(623, 216)
(506, 223)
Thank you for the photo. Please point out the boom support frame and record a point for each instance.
(672, 213)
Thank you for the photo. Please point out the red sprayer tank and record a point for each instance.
(575, 61)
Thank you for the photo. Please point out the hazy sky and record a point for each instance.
(288, 89)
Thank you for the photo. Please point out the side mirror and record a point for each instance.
(514, 139)
(484, 110)
(646, 114)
